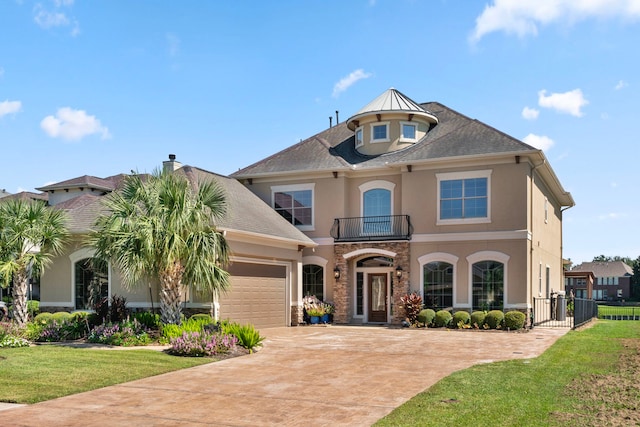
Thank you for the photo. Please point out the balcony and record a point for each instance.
(372, 228)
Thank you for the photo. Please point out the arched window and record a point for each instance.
(488, 285)
(91, 284)
(438, 285)
(313, 281)
(377, 206)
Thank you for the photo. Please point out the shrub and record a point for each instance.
(494, 319)
(33, 308)
(201, 316)
(514, 320)
(169, 331)
(426, 317)
(477, 318)
(43, 318)
(442, 319)
(60, 316)
(10, 336)
(202, 344)
(118, 309)
(148, 319)
(460, 319)
(128, 333)
(248, 336)
(411, 304)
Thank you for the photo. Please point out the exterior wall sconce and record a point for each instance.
(399, 272)
(336, 273)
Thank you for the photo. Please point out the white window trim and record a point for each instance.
(361, 142)
(403, 138)
(322, 262)
(79, 255)
(490, 256)
(441, 257)
(297, 187)
(372, 125)
(464, 175)
(373, 185)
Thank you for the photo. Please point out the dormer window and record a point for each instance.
(408, 132)
(380, 132)
(359, 137)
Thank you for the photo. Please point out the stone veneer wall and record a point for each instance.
(342, 294)
(297, 315)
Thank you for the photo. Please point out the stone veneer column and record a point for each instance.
(400, 286)
(341, 292)
(297, 315)
(341, 295)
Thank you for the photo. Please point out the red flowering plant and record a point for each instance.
(411, 304)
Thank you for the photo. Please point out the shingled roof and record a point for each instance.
(245, 211)
(334, 149)
(605, 269)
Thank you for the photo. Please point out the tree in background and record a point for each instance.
(31, 234)
(163, 228)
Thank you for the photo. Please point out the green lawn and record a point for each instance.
(34, 374)
(535, 392)
(609, 310)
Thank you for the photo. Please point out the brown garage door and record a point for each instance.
(257, 295)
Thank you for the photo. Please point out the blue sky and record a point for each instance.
(105, 87)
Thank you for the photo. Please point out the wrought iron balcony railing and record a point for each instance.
(359, 229)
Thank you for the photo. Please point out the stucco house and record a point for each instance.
(266, 254)
(407, 197)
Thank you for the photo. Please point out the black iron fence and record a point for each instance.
(618, 312)
(368, 228)
(561, 312)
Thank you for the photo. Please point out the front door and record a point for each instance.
(377, 297)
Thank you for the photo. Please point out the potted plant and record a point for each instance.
(315, 313)
(329, 309)
(313, 308)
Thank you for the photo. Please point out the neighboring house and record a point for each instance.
(611, 280)
(266, 254)
(406, 197)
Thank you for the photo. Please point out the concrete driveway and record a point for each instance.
(314, 375)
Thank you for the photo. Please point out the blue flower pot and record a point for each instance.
(325, 318)
(315, 320)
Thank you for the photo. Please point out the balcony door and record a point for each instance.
(378, 297)
(376, 211)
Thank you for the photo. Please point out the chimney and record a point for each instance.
(330, 118)
(337, 121)
(171, 165)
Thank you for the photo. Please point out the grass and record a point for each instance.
(520, 392)
(607, 310)
(34, 374)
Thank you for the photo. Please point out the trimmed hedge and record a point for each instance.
(61, 316)
(460, 318)
(477, 318)
(514, 320)
(442, 319)
(494, 319)
(43, 318)
(426, 317)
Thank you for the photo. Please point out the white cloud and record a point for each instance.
(349, 80)
(50, 19)
(73, 125)
(621, 85)
(46, 19)
(611, 216)
(10, 107)
(540, 142)
(530, 113)
(569, 102)
(523, 17)
(173, 43)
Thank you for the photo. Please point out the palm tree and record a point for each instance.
(31, 234)
(163, 228)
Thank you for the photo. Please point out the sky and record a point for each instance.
(105, 87)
